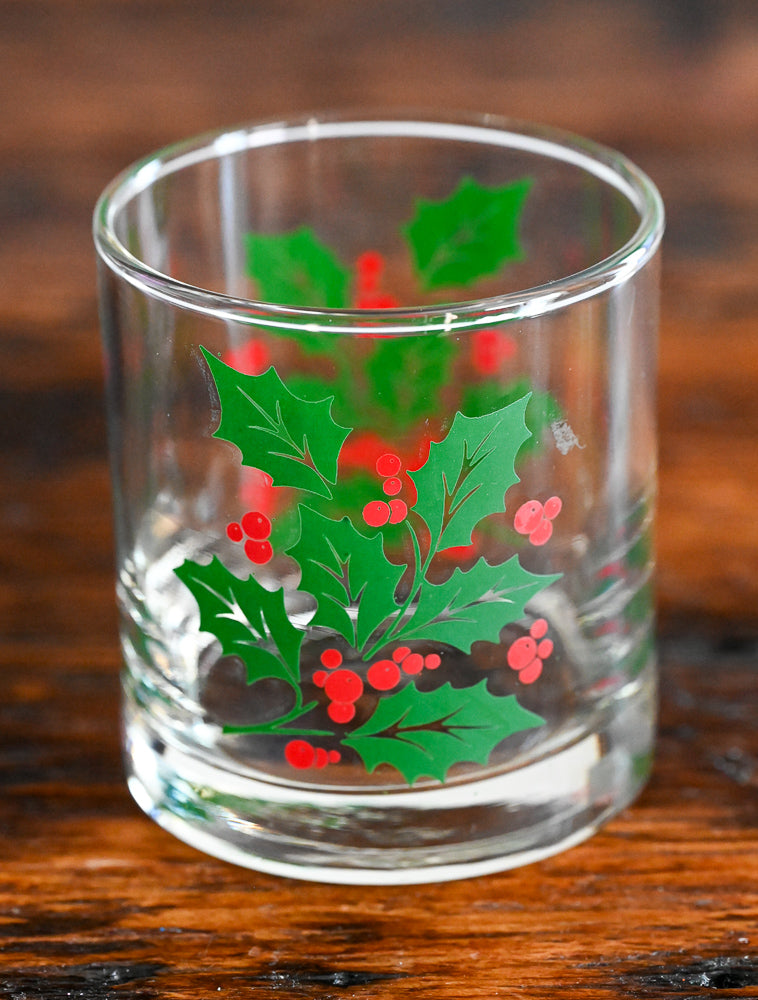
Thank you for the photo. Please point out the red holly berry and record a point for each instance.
(331, 658)
(322, 757)
(341, 711)
(413, 664)
(234, 531)
(369, 266)
(522, 652)
(319, 678)
(400, 653)
(542, 532)
(388, 465)
(490, 349)
(527, 517)
(530, 673)
(343, 686)
(299, 754)
(392, 486)
(432, 661)
(544, 649)
(383, 675)
(398, 511)
(552, 508)
(334, 756)
(538, 629)
(258, 552)
(376, 513)
(256, 525)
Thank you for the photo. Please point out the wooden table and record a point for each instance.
(96, 901)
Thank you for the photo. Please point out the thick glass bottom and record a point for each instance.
(498, 821)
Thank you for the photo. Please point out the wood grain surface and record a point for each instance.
(96, 901)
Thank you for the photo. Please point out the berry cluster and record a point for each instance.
(377, 513)
(527, 653)
(254, 528)
(385, 674)
(343, 687)
(300, 754)
(369, 268)
(536, 519)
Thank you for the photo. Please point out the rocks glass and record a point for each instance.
(382, 424)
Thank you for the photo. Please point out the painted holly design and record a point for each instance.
(535, 519)
(528, 653)
(392, 634)
(303, 755)
(390, 390)
(427, 734)
(384, 472)
(343, 687)
(377, 513)
(253, 530)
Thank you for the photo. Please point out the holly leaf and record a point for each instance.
(249, 621)
(347, 573)
(296, 441)
(407, 375)
(541, 410)
(474, 605)
(468, 235)
(296, 269)
(425, 733)
(467, 474)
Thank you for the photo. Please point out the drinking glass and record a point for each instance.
(381, 400)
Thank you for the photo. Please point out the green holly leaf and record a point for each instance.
(467, 474)
(296, 441)
(473, 605)
(468, 235)
(541, 410)
(249, 621)
(297, 269)
(407, 374)
(347, 573)
(426, 733)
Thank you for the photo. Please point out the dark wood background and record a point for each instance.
(95, 901)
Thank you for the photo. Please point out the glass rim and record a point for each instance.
(601, 161)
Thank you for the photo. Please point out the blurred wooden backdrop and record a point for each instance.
(90, 890)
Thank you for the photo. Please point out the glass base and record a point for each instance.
(500, 821)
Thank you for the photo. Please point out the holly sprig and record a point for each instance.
(356, 588)
(301, 436)
(452, 242)
(399, 388)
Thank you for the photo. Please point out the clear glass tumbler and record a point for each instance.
(382, 421)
